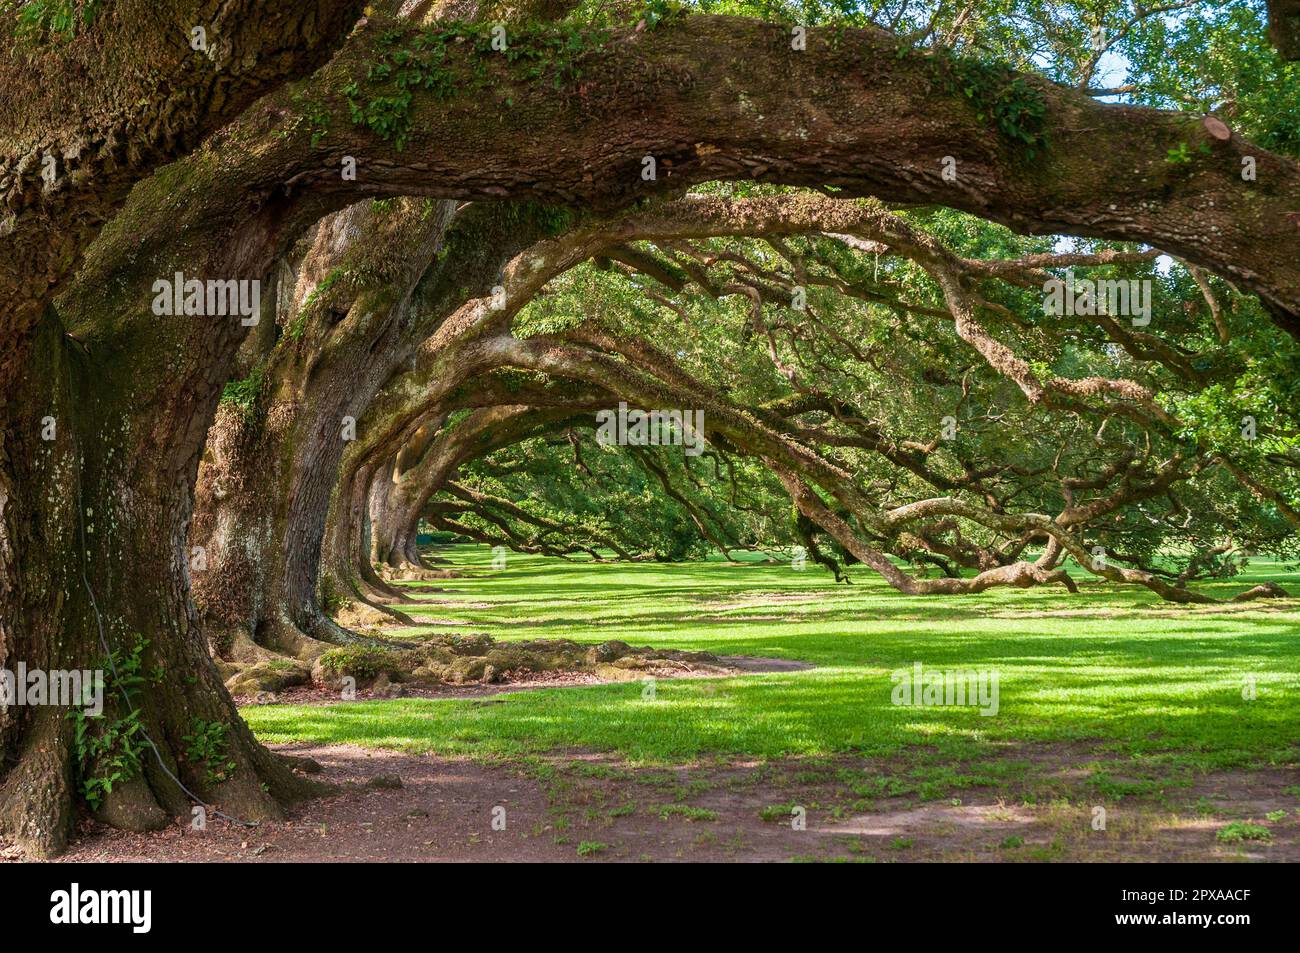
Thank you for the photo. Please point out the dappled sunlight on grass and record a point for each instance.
(1112, 664)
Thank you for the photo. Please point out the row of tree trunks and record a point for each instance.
(393, 538)
(312, 407)
(271, 467)
(141, 392)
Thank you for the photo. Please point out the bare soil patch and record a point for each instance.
(758, 663)
(584, 806)
(1163, 610)
(758, 599)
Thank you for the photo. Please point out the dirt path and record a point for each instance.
(582, 806)
(442, 811)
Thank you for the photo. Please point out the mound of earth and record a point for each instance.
(270, 675)
(360, 617)
(416, 574)
(435, 664)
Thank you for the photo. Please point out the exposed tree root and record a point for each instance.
(39, 794)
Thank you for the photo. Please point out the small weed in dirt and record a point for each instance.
(589, 847)
(776, 812)
(1239, 831)
(666, 811)
(1047, 852)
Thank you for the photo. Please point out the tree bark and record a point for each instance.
(86, 118)
(720, 97)
(143, 389)
(267, 483)
(103, 533)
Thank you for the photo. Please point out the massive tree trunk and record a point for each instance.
(143, 388)
(387, 532)
(269, 473)
(393, 539)
(102, 528)
(83, 121)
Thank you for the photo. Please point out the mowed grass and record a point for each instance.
(1148, 680)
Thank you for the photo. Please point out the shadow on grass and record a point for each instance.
(1119, 667)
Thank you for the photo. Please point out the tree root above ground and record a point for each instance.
(364, 616)
(477, 664)
(411, 573)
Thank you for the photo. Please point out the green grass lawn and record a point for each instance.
(1154, 683)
